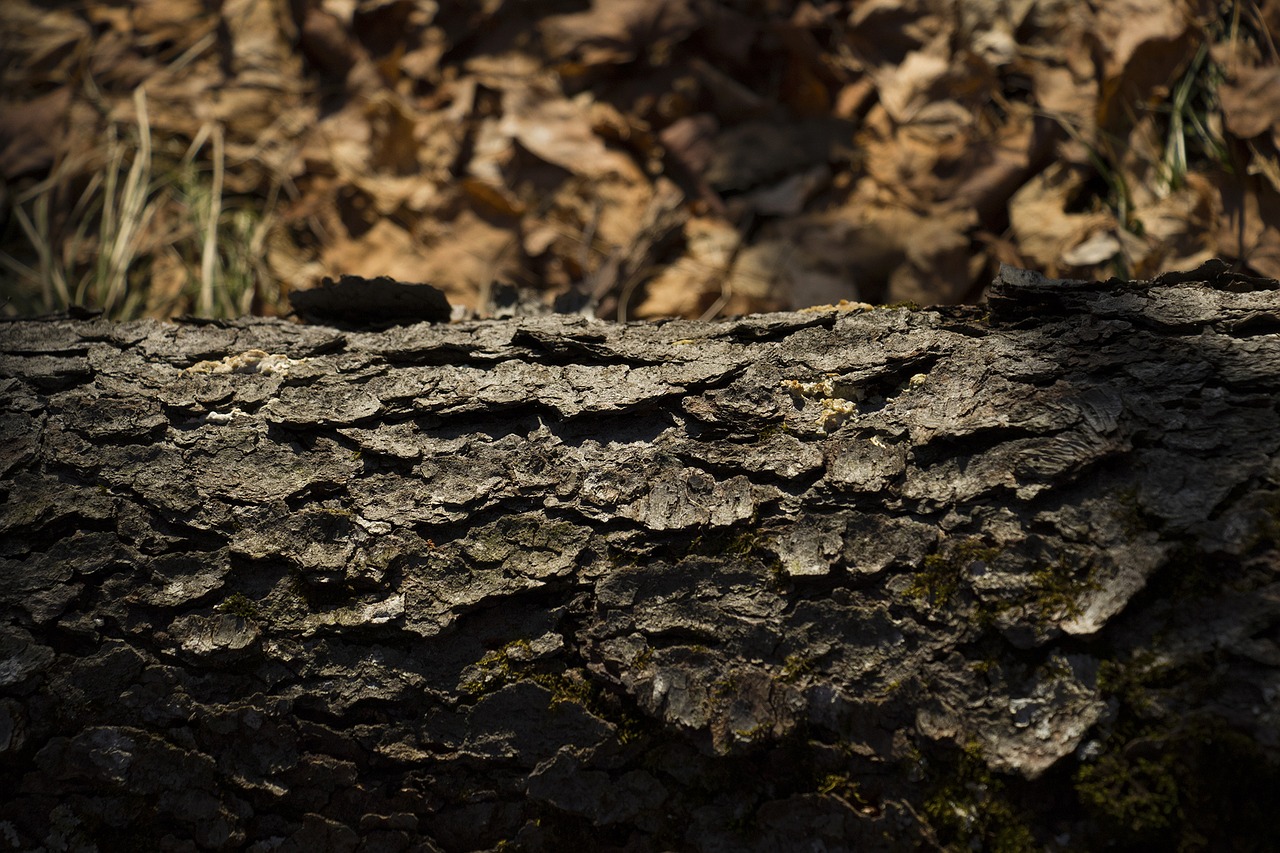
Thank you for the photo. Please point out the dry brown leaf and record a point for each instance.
(762, 272)
(615, 282)
(1057, 55)
(691, 141)
(511, 69)
(1265, 162)
(992, 170)
(903, 164)
(1177, 230)
(731, 100)
(1039, 217)
(937, 256)
(246, 111)
(39, 46)
(1142, 45)
(459, 256)
(1067, 95)
(1251, 101)
(327, 42)
(786, 197)
(261, 42)
(883, 32)
(340, 144)
(559, 131)
(494, 197)
(1097, 249)
(175, 24)
(858, 252)
(448, 149)
(1125, 28)
(393, 145)
(688, 286)
(384, 249)
(808, 75)
(758, 152)
(393, 194)
(1249, 227)
(617, 31)
(598, 224)
(854, 99)
(31, 132)
(908, 87)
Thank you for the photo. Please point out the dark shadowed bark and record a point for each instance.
(830, 580)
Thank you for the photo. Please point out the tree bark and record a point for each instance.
(836, 579)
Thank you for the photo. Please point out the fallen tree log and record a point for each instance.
(1001, 577)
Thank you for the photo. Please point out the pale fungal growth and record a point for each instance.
(917, 380)
(835, 411)
(219, 418)
(839, 402)
(249, 361)
(844, 305)
(823, 388)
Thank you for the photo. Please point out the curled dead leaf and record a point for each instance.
(617, 31)
(559, 131)
(31, 133)
(1251, 102)
(1041, 218)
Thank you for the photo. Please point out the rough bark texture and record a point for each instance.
(837, 580)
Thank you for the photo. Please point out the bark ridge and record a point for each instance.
(834, 579)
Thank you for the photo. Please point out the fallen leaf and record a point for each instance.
(617, 31)
(459, 256)
(1141, 45)
(756, 152)
(31, 133)
(906, 88)
(1099, 248)
(1042, 221)
(883, 32)
(786, 197)
(1249, 227)
(261, 50)
(990, 173)
(1178, 229)
(559, 131)
(393, 145)
(1251, 101)
(175, 24)
(731, 100)
(1265, 163)
(688, 286)
(327, 42)
(45, 43)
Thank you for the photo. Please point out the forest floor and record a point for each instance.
(646, 158)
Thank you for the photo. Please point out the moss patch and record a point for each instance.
(239, 604)
(1169, 782)
(942, 574)
(516, 662)
(970, 809)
